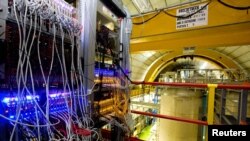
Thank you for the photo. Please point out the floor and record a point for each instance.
(149, 133)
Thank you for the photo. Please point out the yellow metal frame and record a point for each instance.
(210, 103)
(226, 27)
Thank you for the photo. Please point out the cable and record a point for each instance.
(189, 15)
(30, 125)
(24, 74)
(38, 14)
(147, 20)
(185, 16)
(118, 65)
(233, 7)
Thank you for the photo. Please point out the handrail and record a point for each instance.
(199, 122)
(196, 85)
(210, 98)
(170, 84)
(230, 86)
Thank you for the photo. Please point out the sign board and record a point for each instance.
(198, 19)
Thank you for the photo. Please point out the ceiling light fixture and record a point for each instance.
(143, 5)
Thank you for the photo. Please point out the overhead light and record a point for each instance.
(188, 50)
(203, 66)
(149, 53)
(143, 5)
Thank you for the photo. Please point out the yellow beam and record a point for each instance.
(210, 110)
(226, 27)
(161, 62)
(229, 35)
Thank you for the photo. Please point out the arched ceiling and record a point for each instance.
(224, 39)
(147, 65)
(141, 62)
(190, 62)
(238, 54)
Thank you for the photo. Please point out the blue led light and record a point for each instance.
(58, 100)
(11, 100)
(6, 100)
(55, 95)
(28, 106)
(105, 72)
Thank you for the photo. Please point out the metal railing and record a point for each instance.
(225, 103)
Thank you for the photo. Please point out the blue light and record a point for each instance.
(27, 112)
(58, 95)
(6, 100)
(29, 97)
(53, 95)
(105, 72)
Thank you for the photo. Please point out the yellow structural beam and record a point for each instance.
(161, 63)
(210, 106)
(226, 27)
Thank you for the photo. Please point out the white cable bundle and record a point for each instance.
(57, 11)
(31, 14)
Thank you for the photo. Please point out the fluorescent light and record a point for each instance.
(203, 66)
(149, 53)
(143, 5)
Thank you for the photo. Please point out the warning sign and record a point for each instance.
(198, 19)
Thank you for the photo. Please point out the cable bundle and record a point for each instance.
(61, 111)
(57, 11)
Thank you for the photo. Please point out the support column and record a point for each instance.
(242, 107)
(211, 95)
(223, 103)
(210, 106)
(88, 12)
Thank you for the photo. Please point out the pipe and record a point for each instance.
(196, 85)
(199, 122)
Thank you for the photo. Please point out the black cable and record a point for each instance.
(118, 65)
(140, 23)
(233, 7)
(187, 16)
(183, 17)
(116, 62)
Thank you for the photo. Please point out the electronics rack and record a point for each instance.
(107, 48)
(35, 108)
(111, 100)
(41, 98)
